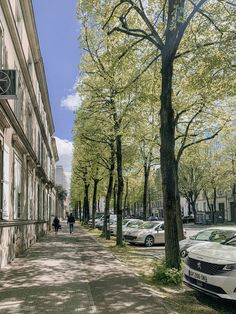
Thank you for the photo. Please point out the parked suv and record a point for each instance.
(211, 268)
(214, 234)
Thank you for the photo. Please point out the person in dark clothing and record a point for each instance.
(71, 221)
(56, 223)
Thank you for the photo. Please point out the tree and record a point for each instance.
(104, 88)
(164, 24)
(191, 176)
(174, 31)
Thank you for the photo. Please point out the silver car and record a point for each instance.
(214, 234)
(149, 233)
(126, 224)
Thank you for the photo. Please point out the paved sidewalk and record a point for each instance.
(73, 274)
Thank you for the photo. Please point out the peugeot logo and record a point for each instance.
(199, 265)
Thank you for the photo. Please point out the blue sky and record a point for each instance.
(58, 31)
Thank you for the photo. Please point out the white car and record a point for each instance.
(211, 268)
(112, 220)
(149, 233)
(126, 224)
(213, 234)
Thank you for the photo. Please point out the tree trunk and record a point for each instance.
(109, 193)
(214, 205)
(86, 203)
(135, 209)
(150, 203)
(114, 198)
(168, 171)
(145, 190)
(94, 201)
(126, 196)
(107, 204)
(80, 211)
(208, 201)
(178, 206)
(119, 237)
(193, 206)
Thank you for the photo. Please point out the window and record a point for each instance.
(39, 148)
(221, 207)
(5, 186)
(214, 235)
(30, 196)
(39, 204)
(204, 206)
(17, 187)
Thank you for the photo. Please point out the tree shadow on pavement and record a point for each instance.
(72, 274)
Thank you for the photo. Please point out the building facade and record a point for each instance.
(61, 177)
(27, 147)
(62, 205)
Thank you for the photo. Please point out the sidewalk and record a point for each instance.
(73, 274)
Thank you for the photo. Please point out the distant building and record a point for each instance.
(62, 207)
(61, 177)
(27, 147)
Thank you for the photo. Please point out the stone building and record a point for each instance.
(27, 147)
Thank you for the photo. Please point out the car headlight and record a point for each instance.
(229, 267)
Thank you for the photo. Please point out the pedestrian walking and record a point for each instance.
(71, 221)
(56, 224)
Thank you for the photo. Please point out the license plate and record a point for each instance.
(197, 276)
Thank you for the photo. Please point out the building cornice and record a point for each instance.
(29, 21)
(20, 138)
(23, 64)
(54, 148)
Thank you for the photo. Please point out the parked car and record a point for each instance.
(113, 219)
(126, 224)
(98, 217)
(148, 233)
(214, 234)
(188, 219)
(211, 268)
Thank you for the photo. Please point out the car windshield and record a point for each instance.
(148, 225)
(215, 235)
(231, 242)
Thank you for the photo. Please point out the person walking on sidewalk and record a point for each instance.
(71, 221)
(56, 223)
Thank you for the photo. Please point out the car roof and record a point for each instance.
(156, 222)
(221, 228)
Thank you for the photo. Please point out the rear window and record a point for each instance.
(148, 225)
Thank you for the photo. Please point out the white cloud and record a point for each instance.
(71, 102)
(65, 152)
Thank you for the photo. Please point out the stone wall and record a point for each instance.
(17, 237)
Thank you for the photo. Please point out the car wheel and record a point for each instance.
(183, 253)
(149, 241)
